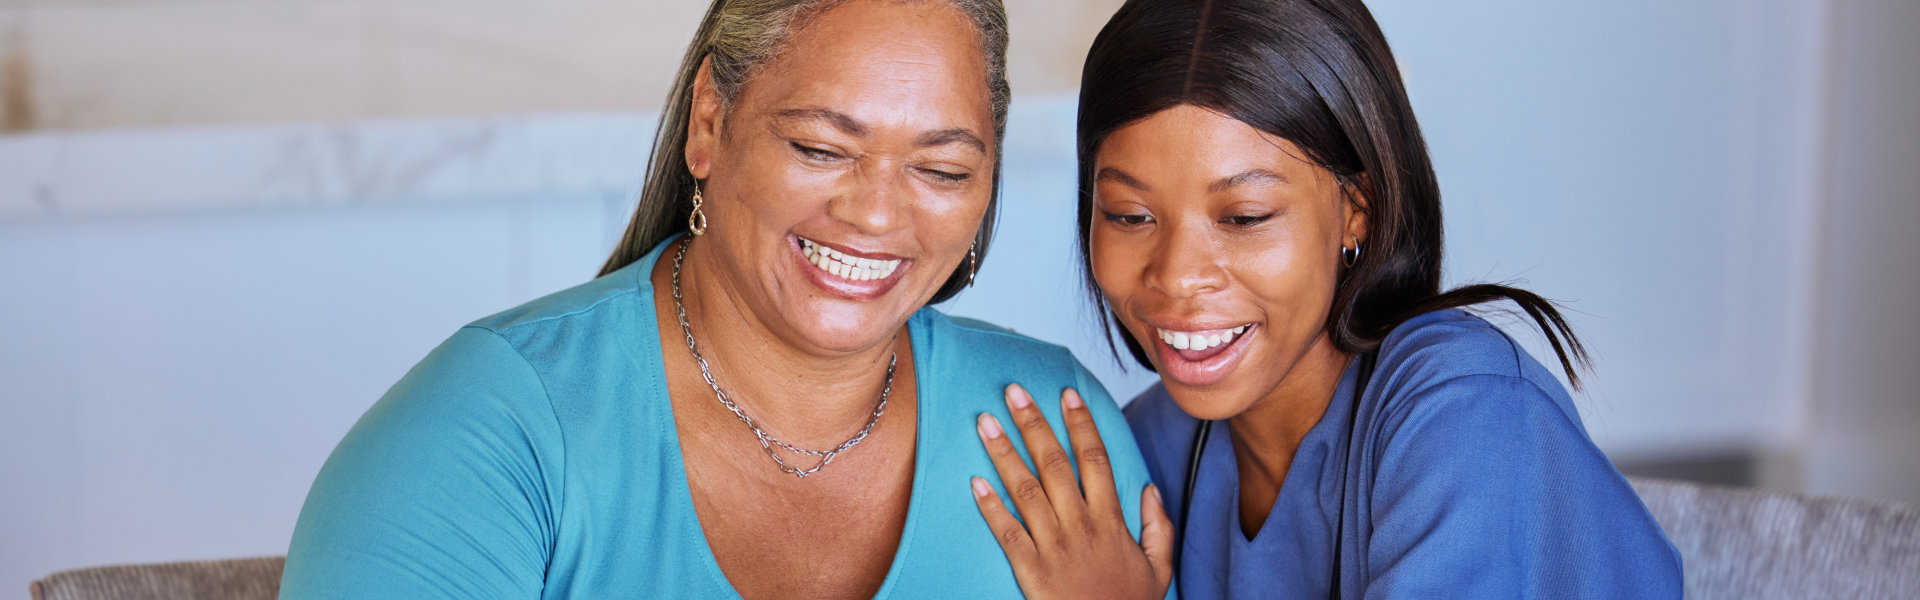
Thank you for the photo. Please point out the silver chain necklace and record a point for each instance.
(767, 441)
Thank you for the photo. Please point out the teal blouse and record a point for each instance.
(534, 455)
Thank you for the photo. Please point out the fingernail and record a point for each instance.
(989, 427)
(1072, 400)
(1017, 397)
(1156, 494)
(980, 488)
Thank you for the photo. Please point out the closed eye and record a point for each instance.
(815, 154)
(947, 176)
(1247, 220)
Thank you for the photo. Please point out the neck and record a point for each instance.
(807, 396)
(1267, 435)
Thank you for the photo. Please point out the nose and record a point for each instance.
(1185, 264)
(877, 203)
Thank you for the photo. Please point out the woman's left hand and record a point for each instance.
(1074, 544)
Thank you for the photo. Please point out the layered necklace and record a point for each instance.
(769, 443)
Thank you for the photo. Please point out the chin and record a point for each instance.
(836, 325)
(1213, 403)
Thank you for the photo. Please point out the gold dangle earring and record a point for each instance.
(973, 262)
(697, 222)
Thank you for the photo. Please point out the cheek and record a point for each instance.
(1295, 281)
(946, 221)
(950, 214)
(767, 187)
(1118, 270)
(1112, 264)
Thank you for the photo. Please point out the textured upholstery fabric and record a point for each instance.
(238, 579)
(1733, 542)
(1755, 544)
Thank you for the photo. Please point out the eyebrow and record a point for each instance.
(1244, 177)
(1248, 176)
(837, 119)
(956, 135)
(851, 126)
(1120, 177)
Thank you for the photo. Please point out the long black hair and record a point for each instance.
(1317, 73)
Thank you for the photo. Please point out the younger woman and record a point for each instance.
(1260, 218)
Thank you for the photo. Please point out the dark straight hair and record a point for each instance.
(1317, 73)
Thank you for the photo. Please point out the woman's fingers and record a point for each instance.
(1013, 536)
(1029, 496)
(1156, 535)
(1096, 471)
(1049, 459)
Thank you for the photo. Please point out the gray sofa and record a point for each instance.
(1751, 543)
(1736, 543)
(236, 579)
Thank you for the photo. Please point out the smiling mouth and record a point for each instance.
(1203, 357)
(1200, 345)
(846, 266)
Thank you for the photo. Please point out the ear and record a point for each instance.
(1358, 207)
(704, 121)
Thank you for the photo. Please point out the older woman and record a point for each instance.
(1261, 220)
(753, 399)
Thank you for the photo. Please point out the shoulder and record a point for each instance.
(980, 340)
(501, 366)
(972, 362)
(1452, 356)
(461, 461)
(1486, 474)
(474, 386)
(614, 302)
(971, 357)
(1479, 464)
(1454, 343)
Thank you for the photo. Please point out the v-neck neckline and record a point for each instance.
(683, 489)
(1219, 461)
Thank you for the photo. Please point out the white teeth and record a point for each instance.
(845, 266)
(1181, 340)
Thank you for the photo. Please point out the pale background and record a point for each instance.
(227, 227)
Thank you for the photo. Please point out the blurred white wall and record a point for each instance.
(88, 64)
(1865, 407)
(1655, 165)
(196, 313)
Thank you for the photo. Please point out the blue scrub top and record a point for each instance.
(1469, 475)
(534, 455)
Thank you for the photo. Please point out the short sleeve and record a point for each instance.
(441, 490)
(1485, 488)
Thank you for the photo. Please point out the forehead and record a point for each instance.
(886, 63)
(1188, 145)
